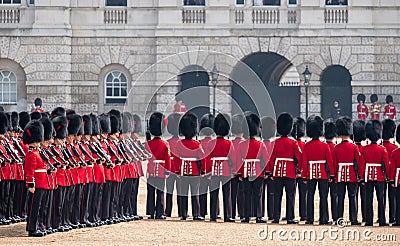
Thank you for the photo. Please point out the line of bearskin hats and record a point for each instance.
(238, 124)
(344, 126)
(60, 124)
(96, 128)
(15, 122)
(373, 98)
(268, 126)
(173, 124)
(33, 132)
(388, 129)
(253, 124)
(373, 130)
(105, 124)
(3, 123)
(36, 116)
(359, 131)
(315, 126)
(361, 98)
(116, 123)
(74, 124)
(59, 111)
(156, 124)
(329, 129)
(206, 124)
(389, 99)
(188, 125)
(87, 124)
(48, 128)
(8, 115)
(24, 118)
(284, 124)
(298, 130)
(222, 124)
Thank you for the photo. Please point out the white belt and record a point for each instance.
(219, 158)
(346, 164)
(171, 158)
(158, 161)
(389, 113)
(189, 159)
(41, 171)
(362, 113)
(284, 159)
(397, 176)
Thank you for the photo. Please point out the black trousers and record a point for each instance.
(95, 205)
(204, 188)
(35, 201)
(10, 203)
(397, 204)
(87, 199)
(68, 205)
(155, 196)
(47, 209)
(106, 200)
(77, 204)
(114, 199)
(323, 199)
(352, 188)
(170, 183)
(241, 199)
(392, 202)
(58, 204)
(134, 196)
(270, 198)
(234, 196)
(369, 191)
(4, 197)
(302, 187)
(126, 193)
(226, 196)
(363, 202)
(252, 197)
(19, 198)
(334, 199)
(193, 183)
(290, 189)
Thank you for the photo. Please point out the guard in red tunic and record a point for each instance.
(237, 186)
(330, 134)
(157, 167)
(37, 177)
(390, 109)
(191, 155)
(206, 129)
(268, 131)
(346, 159)
(254, 156)
(297, 133)
(317, 168)
(362, 109)
(222, 158)
(388, 131)
(394, 175)
(374, 172)
(358, 137)
(375, 108)
(283, 167)
(172, 179)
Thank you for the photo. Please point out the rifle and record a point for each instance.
(50, 155)
(76, 153)
(11, 153)
(112, 152)
(18, 147)
(47, 160)
(356, 170)
(384, 171)
(83, 150)
(103, 154)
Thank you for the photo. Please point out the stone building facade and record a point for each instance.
(87, 55)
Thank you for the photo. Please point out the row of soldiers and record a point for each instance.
(374, 110)
(78, 170)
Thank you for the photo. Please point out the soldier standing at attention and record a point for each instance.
(394, 173)
(375, 107)
(330, 134)
(358, 137)
(362, 109)
(268, 131)
(390, 109)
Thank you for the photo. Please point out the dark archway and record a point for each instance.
(336, 86)
(194, 89)
(269, 67)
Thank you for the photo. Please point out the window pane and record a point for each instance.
(336, 2)
(239, 2)
(294, 2)
(116, 92)
(123, 92)
(109, 92)
(194, 2)
(116, 3)
(13, 97)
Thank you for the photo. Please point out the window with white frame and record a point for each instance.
(240, 2)
(10, 1)
(292, 2)
(266, 2)
(194, 2)
(8, 87)
(116, 88)
(116, 3)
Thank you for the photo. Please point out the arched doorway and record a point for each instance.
(271, 69)
(194, 89)
(336, 86)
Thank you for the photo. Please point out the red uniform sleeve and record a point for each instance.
(167, 157)
(203, 158)
(303, 164)
(298, 154)
(264, 154)
(30, 167)
(232, 155)
(392, 167)
(329, 160)
(366, 110)
(386, 162)
(270, 165)
(361, 166)
(358, 159)
(395, 113)
(335, 162)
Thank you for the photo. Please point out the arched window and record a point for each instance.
(116, 87)
(8, 87)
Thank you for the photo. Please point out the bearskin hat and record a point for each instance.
(344, 126)
(33, 132)
(284, 124)
(115, 124)
(388, 129)
(373, 130)
(373, 98)
(137, 122)
(156, 124)
(48, 129)
(9, 128)
(361, 98)
(329, 129)
(398, 134)
(105, 124)
(96, 129)
(118, 115)
(15, 122)
(389, 99)
(238, 124)
(268, 127)
(359, 131)
(253, 124)
(36, 116)
(60, 124)
(3, 123)
(24, 118)
(127, 125)
(173, 124)
(298, 130)
(38, 102)
(222, 124)
(206, 124)
(69, 111)
(45, 115)
(74, 124)
(188, 125)
(315, 126)
(59, 111)
(87, 125)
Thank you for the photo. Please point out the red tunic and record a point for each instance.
(191, 155)
(180, 108)
(282, 162)
(238, 163)
(108, 172)
(343, 159)
(390, 112)
(36, 171)
(222, 157)
(375, 110)
(208, 145)
(317, 159)
(8, 169)
(371, 167)
(254, 156)
(161, 159)
(394, 171)
(362, 111)
(389, 147)
(175, 161)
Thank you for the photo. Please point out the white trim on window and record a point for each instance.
(8, 87)
(115, 87)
